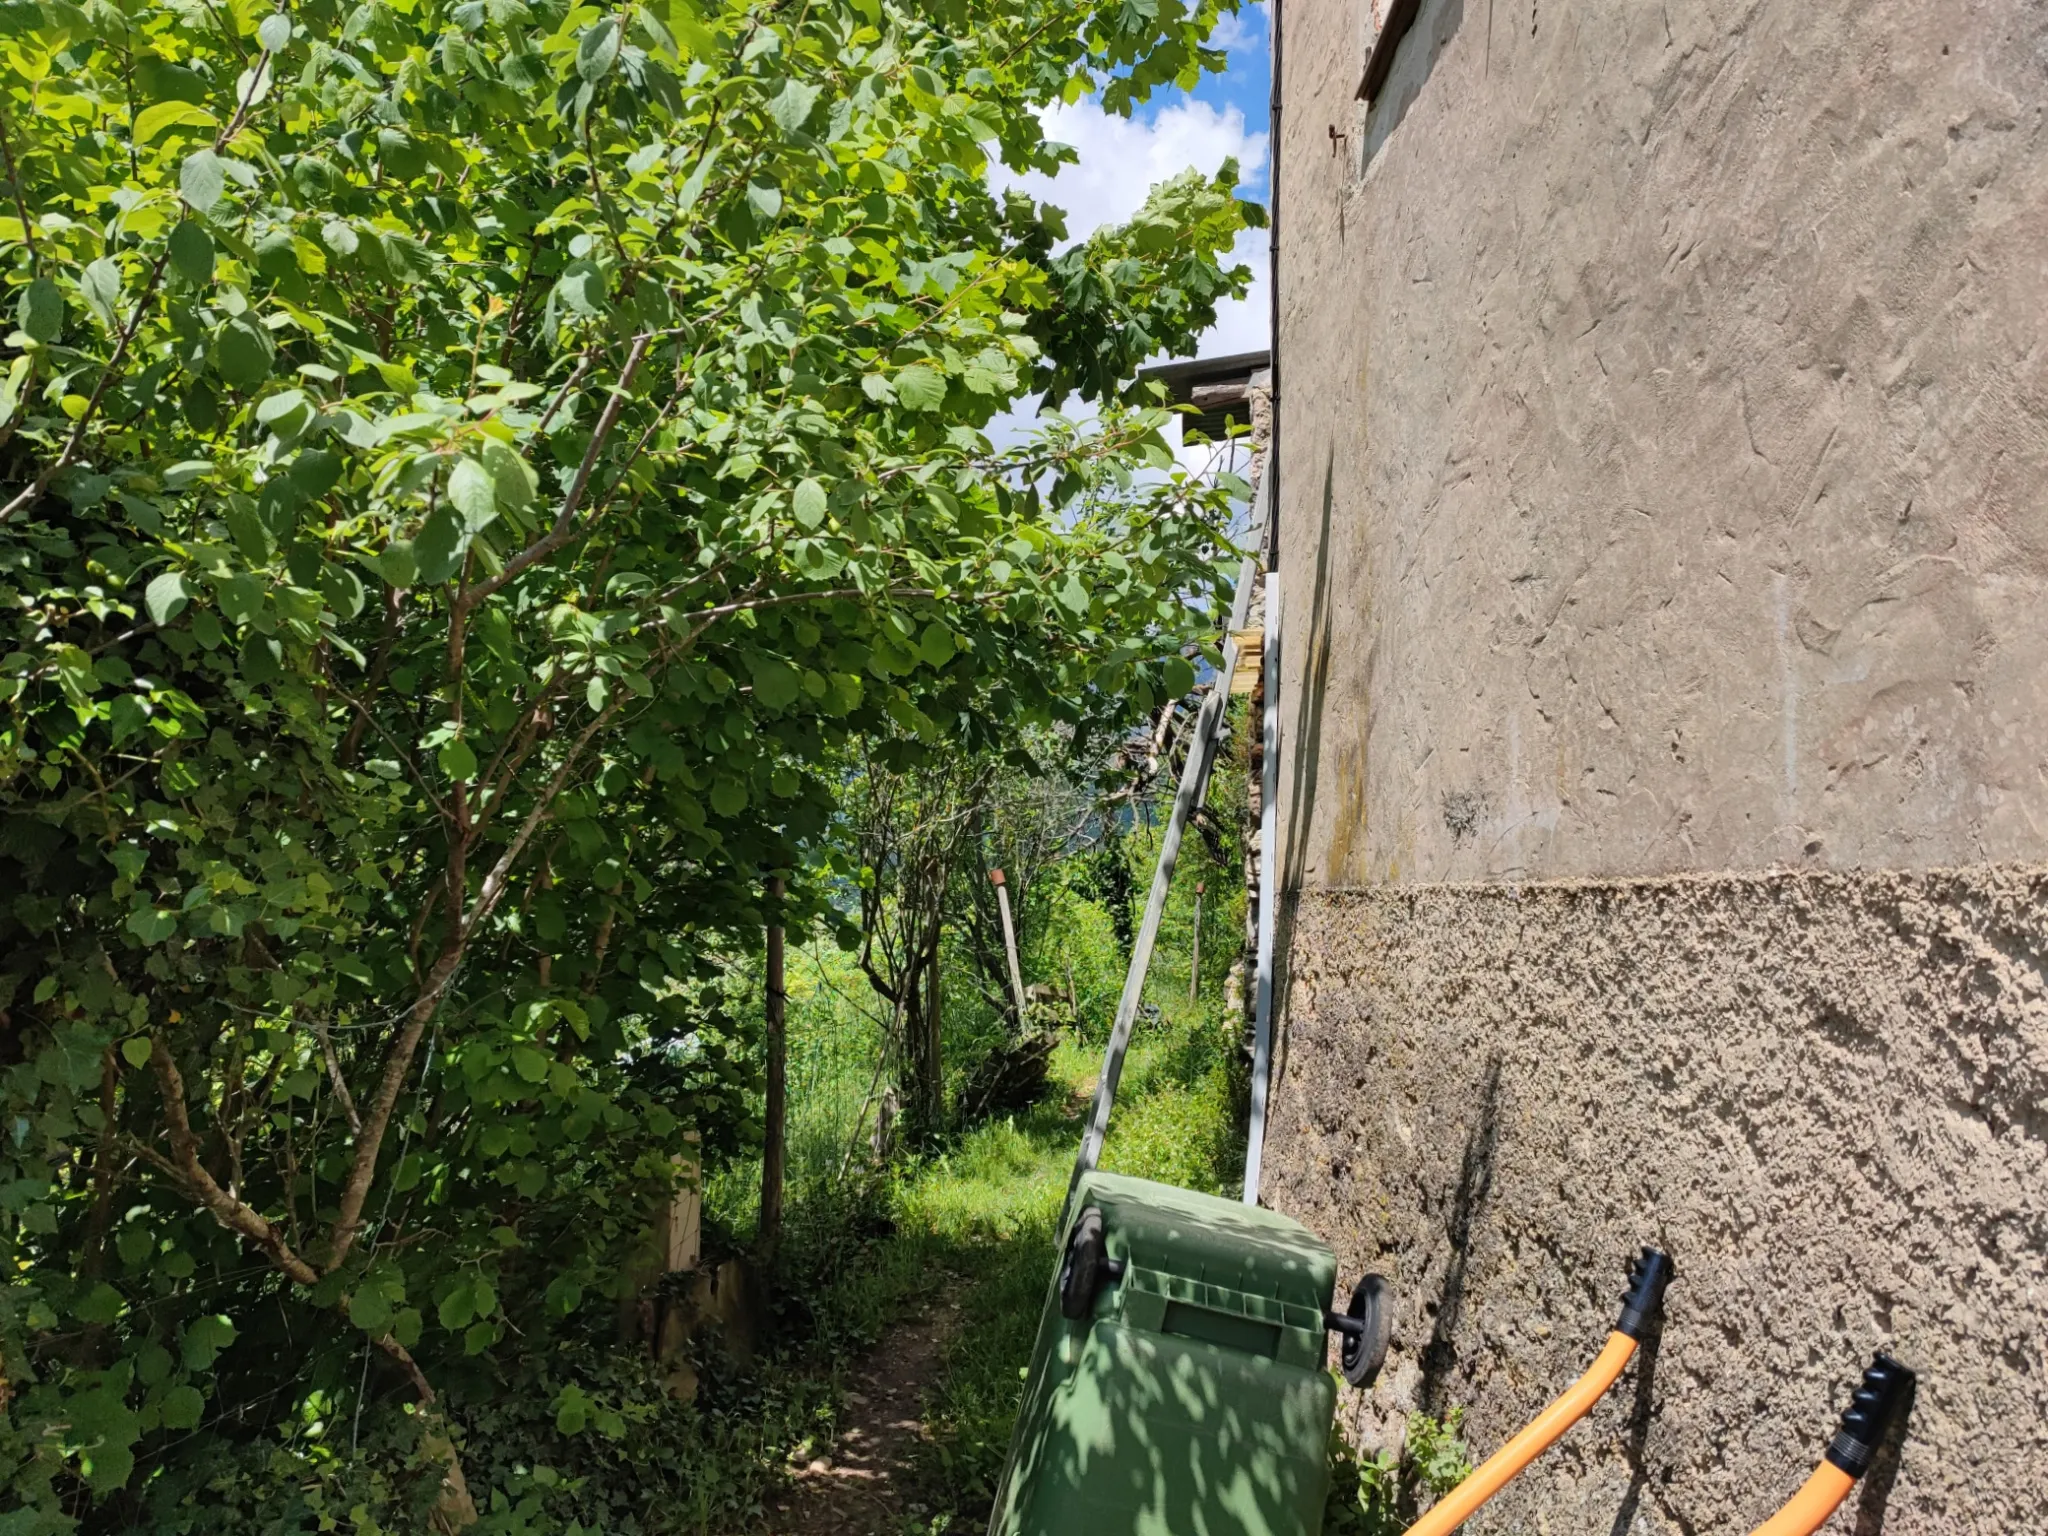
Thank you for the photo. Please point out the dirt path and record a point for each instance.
(856, 1487)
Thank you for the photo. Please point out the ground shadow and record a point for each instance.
(1475, 1184)
(1636, 1448)
(1884, 1471)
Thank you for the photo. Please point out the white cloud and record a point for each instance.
(1242, 30)
(1121, 159)
(1243, 325)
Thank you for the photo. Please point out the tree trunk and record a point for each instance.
(775, 1120)
(925, 1093)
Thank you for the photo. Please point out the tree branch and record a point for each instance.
(565, 521)
(184, 1163)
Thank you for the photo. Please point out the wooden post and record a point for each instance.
(682, 1238)
(1195, 958)
(1010, 943)
(769, 1230)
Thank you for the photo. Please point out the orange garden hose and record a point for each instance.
(1648, 1276)
(1811, 1505)
(1886, 1389)
(1463, 1501)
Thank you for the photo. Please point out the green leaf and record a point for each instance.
(407, 1326)
(343, 590)
(165, 597)
(396, 565)
(135, 1051)
(598, 50)
(765, 198)
(41, 310)
(921, 388)
(206, 1337)
(456, 1309)
(275, 33)
(152, 926)
(1180, 677)
(473, 490)
(243, 351)
(192, 252)
(182, 1408)
(692, 189)
(100, 286)
(936, 644)
(202, 179)
(370, 1310)
(458, 761)
(572, 1410)
(791, 106)
(339, 236)
(101, 1304)
(153, 120)
(581, 287)
(808, 503)
(512, 479)
(440, 546)
(531, 1063)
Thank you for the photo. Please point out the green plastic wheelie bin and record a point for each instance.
(1177, 1386)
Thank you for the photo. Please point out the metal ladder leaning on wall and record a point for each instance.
(1194, 789)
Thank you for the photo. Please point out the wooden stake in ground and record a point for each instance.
(1010, 943)
(769, 1230)
(1195, 958)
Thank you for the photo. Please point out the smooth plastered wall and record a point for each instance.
(1665, 420)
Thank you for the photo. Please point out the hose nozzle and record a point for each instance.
(1885, 1389)
(1649, 1273)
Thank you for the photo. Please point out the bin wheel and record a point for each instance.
(1086, 1266)
(1364, 1350)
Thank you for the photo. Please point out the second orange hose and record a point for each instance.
(1812, 1504)
(1463, 1501)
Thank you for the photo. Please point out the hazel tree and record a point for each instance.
(466, 470)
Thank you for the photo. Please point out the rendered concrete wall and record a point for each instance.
(1664, 543)
(1825, 1095)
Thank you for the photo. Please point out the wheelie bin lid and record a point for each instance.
(1210, 1239)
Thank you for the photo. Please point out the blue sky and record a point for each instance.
(1121, 159)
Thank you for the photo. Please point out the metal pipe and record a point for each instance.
(1275, 102)
(1269, 894)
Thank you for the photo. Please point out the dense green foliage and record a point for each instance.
(470, 469)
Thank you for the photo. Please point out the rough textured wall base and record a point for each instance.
(1825, 1095)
